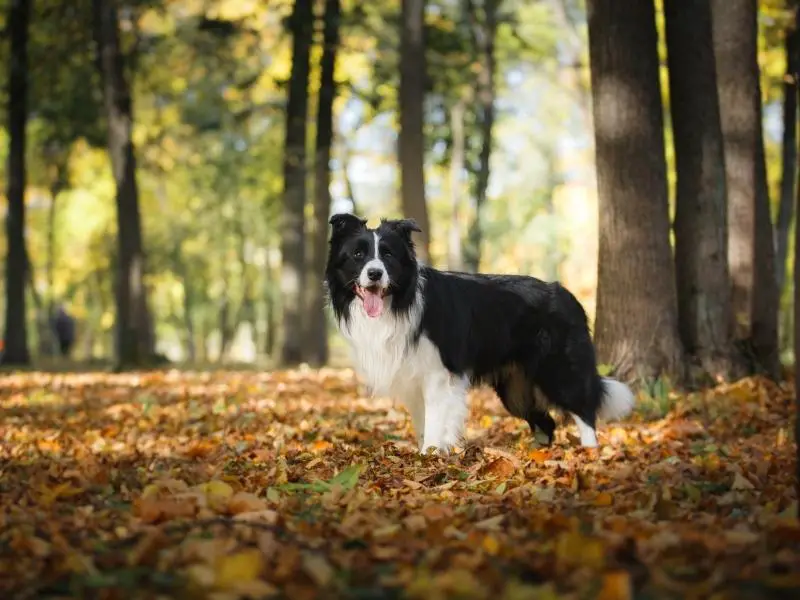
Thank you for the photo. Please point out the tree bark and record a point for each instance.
(457, 150)
(294, 185)
(755, 291)
(797, 345)
(318, 331)
(636, 325)
(705, 317)
(134, 343)
(789, 151)
(16, 335)
(411, 141)
(483, 36)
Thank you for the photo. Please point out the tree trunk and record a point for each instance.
(16, 334)
(188, 319)
(317, 342)
(411, 141)
(636, 325)
(789, 151)
(134, 343)
(457, 149)
(755, 294)
(705, 318)
(797, 344)
(294, 185)
(484, 38)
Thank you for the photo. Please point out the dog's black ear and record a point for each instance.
(343, 223)
(402, 226)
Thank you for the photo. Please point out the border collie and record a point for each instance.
(424, 336)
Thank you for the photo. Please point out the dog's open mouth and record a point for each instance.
(372, 299)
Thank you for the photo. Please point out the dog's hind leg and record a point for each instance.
(525, 401)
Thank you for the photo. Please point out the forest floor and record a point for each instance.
(290, 484)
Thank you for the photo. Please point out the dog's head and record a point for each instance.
(371, 264)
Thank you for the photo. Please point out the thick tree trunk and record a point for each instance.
(134, 343)
(16, 334)
(411, 141)
(483, 36)
(789, 151)
(294, 185)
(318, 331)
(457, 149)
(797, 344)
(755, 291)
(636, 325)
(705, 317)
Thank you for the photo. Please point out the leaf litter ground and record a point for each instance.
(293, 484)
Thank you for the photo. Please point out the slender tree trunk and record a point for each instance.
(348, 183)
(789, 151)
(294, 182)
(411, 141)
(16, 333)
(705, 316)
(455, 252)
(484, 34)
(188, 320)
(636, 325)
(751, 242)
(134, 343)
(318, 330)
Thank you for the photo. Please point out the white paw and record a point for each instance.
(436, 449)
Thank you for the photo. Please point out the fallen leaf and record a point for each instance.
(245, 502)
(238, 568)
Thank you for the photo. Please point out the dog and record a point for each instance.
(425, 336)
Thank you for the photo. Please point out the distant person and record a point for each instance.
(64, 329)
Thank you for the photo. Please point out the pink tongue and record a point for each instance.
(373, 303)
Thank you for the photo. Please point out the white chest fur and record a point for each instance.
(383, 351)
(392, 364)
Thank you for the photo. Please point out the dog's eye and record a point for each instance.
(358, 254)
(387, 254)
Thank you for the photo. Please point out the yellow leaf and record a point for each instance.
(238, 568)
(491, 545)
(217, 493)
(572, 548)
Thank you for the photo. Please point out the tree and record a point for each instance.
(789, 149)
(797, 343)
(636, 326)
(293, 239)
(318, 338)
(701, 226)
(411, 141)
(751, 243)
(16, 335)
(134, 343)
(484, 32)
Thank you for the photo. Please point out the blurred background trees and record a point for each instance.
(181, 160)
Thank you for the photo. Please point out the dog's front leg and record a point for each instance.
(445, 402)
(415, 404)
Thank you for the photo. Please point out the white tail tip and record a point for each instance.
(618, 400)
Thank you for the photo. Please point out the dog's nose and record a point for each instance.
(374, 274)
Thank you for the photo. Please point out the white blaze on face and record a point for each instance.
(373, 276)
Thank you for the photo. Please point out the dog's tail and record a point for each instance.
(618, 400)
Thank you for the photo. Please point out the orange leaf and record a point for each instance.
(603, 499)
(616, 586)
